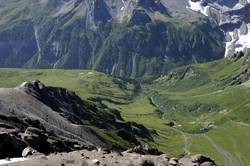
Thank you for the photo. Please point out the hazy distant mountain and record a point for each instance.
(128, 38)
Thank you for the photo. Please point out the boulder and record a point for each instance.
(148, 163)
(145, 150)
(28, 151)
(207, 163)
(201, 159)
(173, 161)
(96, 162)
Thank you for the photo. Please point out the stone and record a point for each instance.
(28, 152)
(173, 161)
(96, 161)
(148, 163)
(207, 163)
(145, 150)
(199, 159)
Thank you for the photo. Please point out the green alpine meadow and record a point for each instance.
(125, 82)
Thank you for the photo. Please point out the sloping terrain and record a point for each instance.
(53, 119)
(194, 109)
(209, 105)
(123, 38)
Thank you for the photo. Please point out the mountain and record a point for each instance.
(194, 109)
(123, 38)
(51, 119)
(163, 76)
(232, 16)
(208, 104)
(49, 126)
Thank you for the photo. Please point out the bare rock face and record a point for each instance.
(243, 29)
(89, 34)
(50, 119)
(233, 18)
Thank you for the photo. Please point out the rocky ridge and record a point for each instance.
(232, 17)
(41, 125)
(121, 38)
(112, 158)
(50, 119)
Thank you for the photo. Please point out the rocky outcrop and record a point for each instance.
(198, 159)
(232, 17)
(145, 150)
(50, 119)
(100, 157)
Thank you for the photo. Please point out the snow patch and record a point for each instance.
(239, 42)
(123, 7)
(244, 40)
(196, 6)
(12, 160)
(238, 6)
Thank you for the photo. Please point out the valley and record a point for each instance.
(125, 82)
(194, 109)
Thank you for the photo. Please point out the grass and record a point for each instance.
(142, 112)
(211, 98)
(85, 83)
(234, 137)
(199, 94)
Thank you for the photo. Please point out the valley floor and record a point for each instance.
(197, 113)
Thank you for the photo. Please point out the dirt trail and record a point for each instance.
(229, 159)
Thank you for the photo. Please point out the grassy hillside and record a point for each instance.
(209, 104)
(85, 83)
(89, 35)
(91, 86)
(194, 109)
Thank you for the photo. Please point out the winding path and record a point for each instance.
(229, 159)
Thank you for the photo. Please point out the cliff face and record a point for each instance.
(233, 17)
(126, 38)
